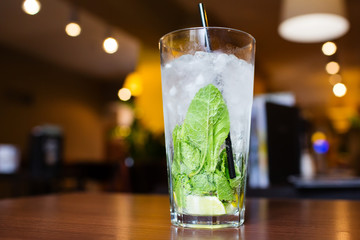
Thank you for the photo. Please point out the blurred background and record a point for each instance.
(81, 106)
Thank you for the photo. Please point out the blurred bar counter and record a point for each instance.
(319, 187)
(151, 177)
(88, 176)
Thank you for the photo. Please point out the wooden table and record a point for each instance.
(126, 216)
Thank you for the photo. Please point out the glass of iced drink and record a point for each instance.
(207, 86)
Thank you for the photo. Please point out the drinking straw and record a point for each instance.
(205, 24)
(230, 158)
(228, 144)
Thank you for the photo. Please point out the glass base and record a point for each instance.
(210, 222)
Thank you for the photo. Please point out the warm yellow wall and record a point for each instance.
(341, 110)
(149, 103)
(56, 97)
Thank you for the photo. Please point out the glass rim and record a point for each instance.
(198, 28)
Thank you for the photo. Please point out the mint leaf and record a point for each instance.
(190, 155)
(237, 181)
(181, 189)
(184, 154)
(202, 183)
(205, 128)
(223, 166)
(199, 166)
(223, 188)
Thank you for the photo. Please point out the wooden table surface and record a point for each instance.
(126, 216)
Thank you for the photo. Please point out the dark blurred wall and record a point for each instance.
(34, 92)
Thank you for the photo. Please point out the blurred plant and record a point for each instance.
(144, 145)
(141, 144)
(355, 122)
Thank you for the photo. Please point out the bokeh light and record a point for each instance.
(31, 7)
(318, 136)
(129, 162)
(339, 90)
(110, 45)
(332, 67)
(321, 146)
(73, 29)
(122, 131)
(329, 48)
(124, 94)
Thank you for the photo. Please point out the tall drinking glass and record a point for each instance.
(207, 86)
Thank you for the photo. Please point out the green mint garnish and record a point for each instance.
(200, 164)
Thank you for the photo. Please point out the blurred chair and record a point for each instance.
(46, 159)
(101, 175)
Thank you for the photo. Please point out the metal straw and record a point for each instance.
(205, 24)
(228, 144)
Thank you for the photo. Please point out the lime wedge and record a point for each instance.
(204, 205)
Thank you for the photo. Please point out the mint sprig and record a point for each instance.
(200, 161)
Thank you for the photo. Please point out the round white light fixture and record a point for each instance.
(329, 48)
(110, 45)
(73, 29)
(124, 94)
(313, 21)
(31, 7)
(339, 90)
(332, 67)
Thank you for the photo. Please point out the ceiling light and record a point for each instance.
(110, 45)
(332, 67)
(313, 21)
(339, 89)
(73, 29)
(31, 7)
(329, 48)
(124, 94)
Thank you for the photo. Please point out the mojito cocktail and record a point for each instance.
(207, 100)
